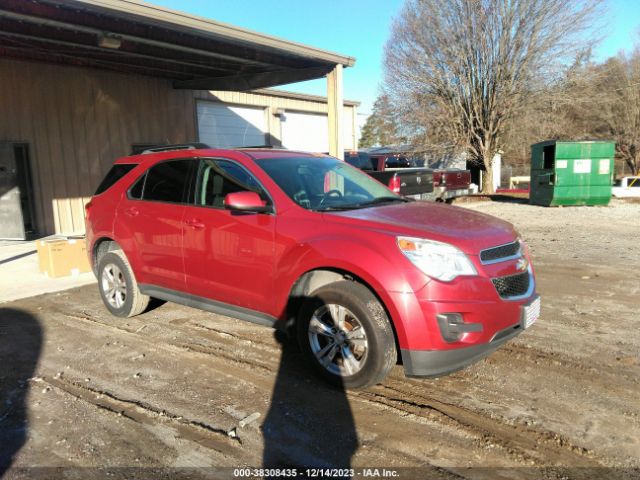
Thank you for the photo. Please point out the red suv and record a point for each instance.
(307, 242)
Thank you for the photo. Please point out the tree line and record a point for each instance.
(483, 76)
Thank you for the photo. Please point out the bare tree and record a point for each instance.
(615, 106)
(461, 68)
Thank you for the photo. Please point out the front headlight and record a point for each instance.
(436, 259)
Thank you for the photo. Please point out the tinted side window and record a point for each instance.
(136, 190)
(392, 162)
(166, 181)
(366, 162)
(116, 173)
(218, 178)
(352, 160)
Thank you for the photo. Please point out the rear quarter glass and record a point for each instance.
(113, 175)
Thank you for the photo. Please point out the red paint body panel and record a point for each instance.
(253, 260)
(468, 230)
(452, 179)
(154, 240)
(243, 200)
(229, 256)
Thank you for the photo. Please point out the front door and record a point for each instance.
(228, 255)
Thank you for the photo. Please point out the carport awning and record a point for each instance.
(140, 38)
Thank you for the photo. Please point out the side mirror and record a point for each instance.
(245, 202)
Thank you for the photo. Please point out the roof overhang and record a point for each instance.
(301, 96)
(140, 38)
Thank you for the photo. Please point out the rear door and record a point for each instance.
(151, 216)
(228, 256)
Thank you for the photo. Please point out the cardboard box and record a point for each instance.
(61, 257)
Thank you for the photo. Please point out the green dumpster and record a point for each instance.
(571, 173)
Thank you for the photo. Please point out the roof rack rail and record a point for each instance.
(263, 146)
(178, 146)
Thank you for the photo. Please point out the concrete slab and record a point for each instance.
(20, 278)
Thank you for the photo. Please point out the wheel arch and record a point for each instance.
(318, 277)
(100, 247)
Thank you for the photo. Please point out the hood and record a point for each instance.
(468, 230)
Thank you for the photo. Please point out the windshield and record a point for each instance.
(326, 183)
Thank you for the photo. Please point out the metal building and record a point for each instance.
(83, 82)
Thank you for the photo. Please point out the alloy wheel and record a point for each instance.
(338, 340)
(114, 285)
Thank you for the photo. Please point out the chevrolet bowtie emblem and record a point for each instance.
(522, 264)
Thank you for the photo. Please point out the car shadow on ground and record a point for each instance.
(309, 423)
(20, 346)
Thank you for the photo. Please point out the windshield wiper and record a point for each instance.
(354, 206)
(337, 208)
(379, 200)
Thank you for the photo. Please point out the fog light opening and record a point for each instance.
(452, 326)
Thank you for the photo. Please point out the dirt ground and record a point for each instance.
(164, 395)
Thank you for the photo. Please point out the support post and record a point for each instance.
(335, 104)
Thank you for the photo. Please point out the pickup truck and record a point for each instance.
(450, 183)
(628, 187)
(394, 171)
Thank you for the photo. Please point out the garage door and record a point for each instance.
(310, 132)
(305, 131)
(221, 125)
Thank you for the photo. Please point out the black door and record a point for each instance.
(16, 207)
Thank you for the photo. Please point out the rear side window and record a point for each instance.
(116, 173)
(352, 160)
(366, 162)
(135, 192)
(166, 181)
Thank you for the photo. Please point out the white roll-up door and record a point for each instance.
(305, 131)
(223, 126)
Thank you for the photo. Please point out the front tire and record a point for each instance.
(118, 287)
(345, 333)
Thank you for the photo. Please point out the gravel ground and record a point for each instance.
(163, 395)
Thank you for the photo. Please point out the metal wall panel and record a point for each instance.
(77, 122)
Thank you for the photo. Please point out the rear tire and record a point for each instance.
(118, 286)
(344, 332)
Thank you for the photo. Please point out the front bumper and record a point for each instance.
(455, 193)
(436, 363)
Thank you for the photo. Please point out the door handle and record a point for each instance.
(195, 224)
(131, 212)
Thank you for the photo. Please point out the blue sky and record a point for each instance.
(359, 28)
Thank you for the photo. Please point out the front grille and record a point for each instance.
(499, 253)
(512, 285)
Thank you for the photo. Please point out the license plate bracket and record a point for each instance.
(530, 313)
